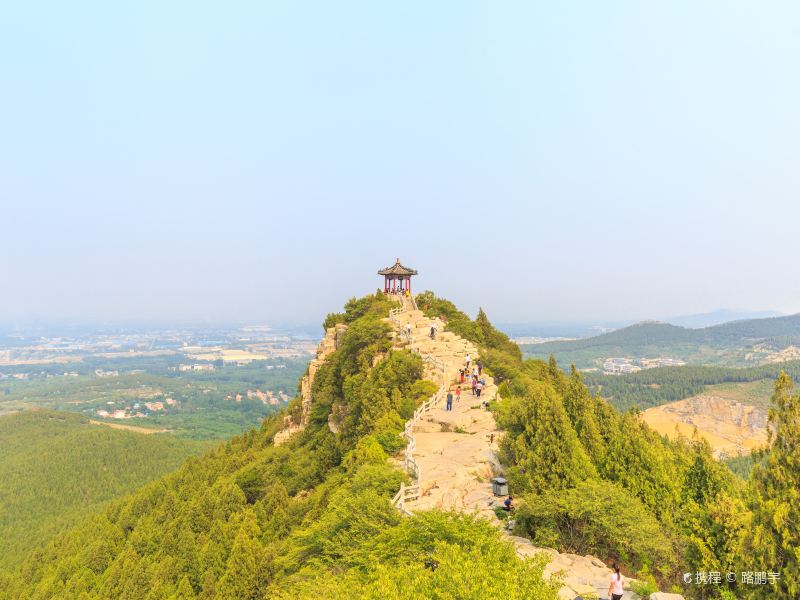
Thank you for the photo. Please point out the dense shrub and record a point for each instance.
(596, 517)
(430, 555)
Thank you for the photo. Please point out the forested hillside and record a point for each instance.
(57, 467)
(653, 387)
(312, 518)
(729, 343)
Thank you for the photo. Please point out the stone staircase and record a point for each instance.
(456, 451)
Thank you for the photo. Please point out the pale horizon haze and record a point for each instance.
(251, 161)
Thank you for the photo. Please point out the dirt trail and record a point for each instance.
(144, 430)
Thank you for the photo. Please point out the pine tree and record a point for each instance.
(542, 448)
(184, 591)
(636, 459)
(579, 405)
(240, 581)
(555, 375)
(776, 493)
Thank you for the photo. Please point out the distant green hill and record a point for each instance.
(727, 344)
(57, 467)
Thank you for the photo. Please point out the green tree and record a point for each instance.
(580, 405)
(776, 493)
(184, 591)
(240, 580)
(596, 517)
(541, 446)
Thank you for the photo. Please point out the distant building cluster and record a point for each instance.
(650, 363)
(137, 410)
(618, 366)
(268, 398)
(197, 367)
(102, 373)
(531, 340)
(621, 366)
(14, 376)
(120, 413)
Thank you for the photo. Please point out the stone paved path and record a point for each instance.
(457, 451)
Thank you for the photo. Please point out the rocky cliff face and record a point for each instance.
(732, 428)
(330, 342)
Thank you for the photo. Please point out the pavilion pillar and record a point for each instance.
(397, 279)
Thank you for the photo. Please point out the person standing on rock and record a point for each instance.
(479, 364)
(408, 331)
(478, 389)
(615, 586)
(474, 385)
(466, 359)
(449, 405)
(458, 394)
(433, 331)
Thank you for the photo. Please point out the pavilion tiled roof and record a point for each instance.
(397, 269)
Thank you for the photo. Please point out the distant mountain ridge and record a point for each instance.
(718, 317)
(584, 329)
(652, 339)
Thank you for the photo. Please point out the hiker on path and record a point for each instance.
(508, 504)
(461, 375)
(474, 386)
(478, 389)
(408, 331)
(449, 405)
(433, 331)
(458, 394)
(615, 585)
(466, 359)
(479, 364)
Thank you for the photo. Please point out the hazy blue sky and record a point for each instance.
(261, 160)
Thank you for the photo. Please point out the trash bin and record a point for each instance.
(500, 486)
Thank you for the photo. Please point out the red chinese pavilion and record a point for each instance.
(397, 278)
